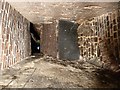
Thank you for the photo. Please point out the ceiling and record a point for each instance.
(42, 12)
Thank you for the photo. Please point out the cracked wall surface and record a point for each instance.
(14, 36)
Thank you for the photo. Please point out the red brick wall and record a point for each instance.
(14, 36)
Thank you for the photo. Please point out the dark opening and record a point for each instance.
(35, 40)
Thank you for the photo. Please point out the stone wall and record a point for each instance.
(15, 42)
(99, 39)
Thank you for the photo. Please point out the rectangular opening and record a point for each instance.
(35, 40)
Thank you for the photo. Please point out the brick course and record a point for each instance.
(14, 36)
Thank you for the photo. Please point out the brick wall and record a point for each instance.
(0, 34)
(14, 36)
(99, 39)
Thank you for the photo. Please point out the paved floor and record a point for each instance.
(37, 72)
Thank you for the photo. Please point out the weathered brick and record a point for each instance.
(106, 40)
(14, 36)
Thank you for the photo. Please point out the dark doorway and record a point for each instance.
(68, 40)
(35, 40)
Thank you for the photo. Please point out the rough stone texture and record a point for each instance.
(99, 39)
(14, 36)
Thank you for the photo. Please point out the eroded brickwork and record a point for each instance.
(14, 36)
(100, 39)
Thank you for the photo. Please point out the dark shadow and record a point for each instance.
(68, 40)
(107, 78)
(35, 40)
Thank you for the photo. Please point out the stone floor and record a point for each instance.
(37, 72)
